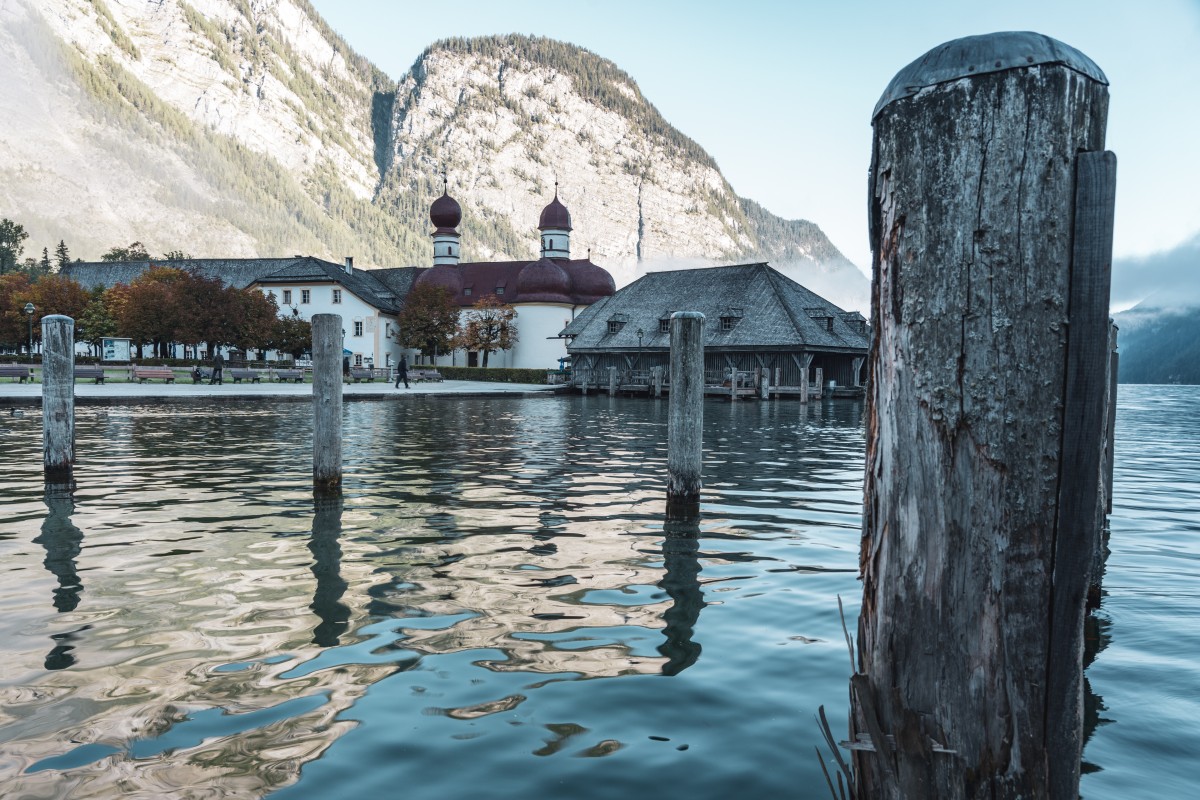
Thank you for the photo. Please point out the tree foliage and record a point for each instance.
(489, 326)
(291, 334)
(15, 291)
(62, 256)
(12, 244)
(134, 252)
(96, 322)
(429, 320)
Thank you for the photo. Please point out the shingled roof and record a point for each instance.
(764, 309)
(236, 272)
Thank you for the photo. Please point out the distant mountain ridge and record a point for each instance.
(1158, 346)
(227, 128)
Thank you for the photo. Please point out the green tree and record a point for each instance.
(176, 255)
(489, 326)
(291, 334)
(96, 322)
(44, 266)
(429, 320)
(12, 244)
(254, 316)
(135, 252)
(62, 256)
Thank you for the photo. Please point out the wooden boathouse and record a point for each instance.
(764, 336)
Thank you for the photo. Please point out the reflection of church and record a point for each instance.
(547, 293)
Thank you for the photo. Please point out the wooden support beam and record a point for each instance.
(327, 403)
(58, 397)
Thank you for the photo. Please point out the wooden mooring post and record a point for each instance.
(991, 230)
(685, 415)
(58, 397)
(656, 378)
(612, 381)
(327, 402)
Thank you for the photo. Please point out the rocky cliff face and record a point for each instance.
(247, 127)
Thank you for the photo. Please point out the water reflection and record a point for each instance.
(327, 569)
(682, 584)
(63, 541)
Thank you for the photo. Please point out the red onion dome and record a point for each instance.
(543, 281)
(555, 215)
(446, 276)
(445, 212)
(590, 282)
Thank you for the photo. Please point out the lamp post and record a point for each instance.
(640, 334)
(29, 309)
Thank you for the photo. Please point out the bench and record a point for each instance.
(143, 374)
(296, 375)
(431, 375)
(16, 371)
(367, 374)
(239, 375)
(94, 371)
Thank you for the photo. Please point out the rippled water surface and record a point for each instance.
(495, 606)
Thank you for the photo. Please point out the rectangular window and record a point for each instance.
(337, 295)
(358, 327)
(727, 323)
(305, 295)
(358, 359)
(664, 326)
(467, 292)
(499, 290)
(287, 297)
(829, 324)
(614, 326)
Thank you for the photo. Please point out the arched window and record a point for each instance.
(551, 246)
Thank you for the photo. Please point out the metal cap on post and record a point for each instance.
(58, 396)
(685, 420)
(327, 402)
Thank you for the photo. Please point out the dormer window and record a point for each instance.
(614, 326)
(664, 325)
(466, 291)
(730, 317)
(727, 323)
(499, 290)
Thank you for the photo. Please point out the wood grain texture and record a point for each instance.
(327, 336)
(971, 190)
(58, 396)
(685, 415)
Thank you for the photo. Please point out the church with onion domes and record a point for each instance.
(547, 292)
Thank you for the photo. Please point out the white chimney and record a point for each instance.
(349, 264)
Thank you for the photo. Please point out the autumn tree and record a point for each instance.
(489, 326)
(12, 244)
(15, 291)
(58, 294)
(146, 310)
(429, 320)
(204, 309)
(254, 316)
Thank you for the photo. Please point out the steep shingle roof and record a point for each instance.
(766, 309)
(236, 272)
(359, 282)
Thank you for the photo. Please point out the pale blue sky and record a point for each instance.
(781, 93)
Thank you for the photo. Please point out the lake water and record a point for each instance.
(496, 607)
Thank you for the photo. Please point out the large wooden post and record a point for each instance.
(327, 402)
(685, 415)
(991, 220)
(612, 381)
(58, 397)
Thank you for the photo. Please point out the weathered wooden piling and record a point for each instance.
(612, 381)
(990, 225)
(685, 415)
(327, 402)
(58, 396)
(657, 380)
(820, 381)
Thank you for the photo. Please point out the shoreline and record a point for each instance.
(30, 394)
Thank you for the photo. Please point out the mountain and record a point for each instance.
(1159, 345)
(238, 128)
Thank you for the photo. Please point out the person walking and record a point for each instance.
(402, 372)
(218, 367)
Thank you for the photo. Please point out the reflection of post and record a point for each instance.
(62, 541)
(58, 396)
(327, 402)
(327, 569)
(681, 582)
(685, 417)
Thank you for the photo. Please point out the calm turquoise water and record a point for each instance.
(496, 606)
